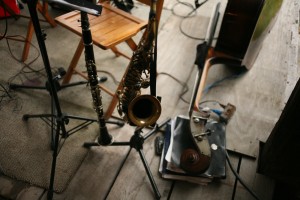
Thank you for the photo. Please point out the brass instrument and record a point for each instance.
(136, 108)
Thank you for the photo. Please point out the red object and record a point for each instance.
(11, 7)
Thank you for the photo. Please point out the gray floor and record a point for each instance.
(277, 61)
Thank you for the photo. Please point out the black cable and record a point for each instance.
(6, 26)
(110, 74)
(184, 85)
(42, 194)
(216, 83)
(190, 14)
(26, 69)
(185, 4)
(7, 96)
(236, 181)
(171, 190)
(239, 178)
(5, 90)
(212, 101)
(15, 38)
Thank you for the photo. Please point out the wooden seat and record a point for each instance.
(111, 28)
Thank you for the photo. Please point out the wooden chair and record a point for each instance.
(43, 9)
(111, 28)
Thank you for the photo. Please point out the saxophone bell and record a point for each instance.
(144, 110)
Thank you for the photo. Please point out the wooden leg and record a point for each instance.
(111, 107)
(43, 9)
(119, 53)
(27, 41)
(115, 98)
(74, 62)
(113, 103)
(131, 44)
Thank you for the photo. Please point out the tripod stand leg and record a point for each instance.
(150, 176)
(50, 192)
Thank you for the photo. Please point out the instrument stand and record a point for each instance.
(136, 141)
(57, 120)
(49, 118)
(105, 139)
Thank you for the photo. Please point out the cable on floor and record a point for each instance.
(183, 84)
(239, 178)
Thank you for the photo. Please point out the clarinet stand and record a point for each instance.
(105, 139)
(136, 141)
(57, 120)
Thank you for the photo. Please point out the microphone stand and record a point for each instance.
(58, 120)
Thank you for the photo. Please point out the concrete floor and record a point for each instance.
(94, 178)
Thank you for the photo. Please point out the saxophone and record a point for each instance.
(137, 108)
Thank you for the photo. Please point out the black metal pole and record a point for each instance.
(60, 125)
(43, 50)
(150, 176)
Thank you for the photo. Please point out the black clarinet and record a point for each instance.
(104, 138)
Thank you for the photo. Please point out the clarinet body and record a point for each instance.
(104, 138)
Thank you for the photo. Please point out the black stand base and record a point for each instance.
(50, 119)
(57, 120)
(136, 142)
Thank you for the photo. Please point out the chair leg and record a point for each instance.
(43, 9)
(131, 44)
(27, 41)
(111, 107)
(119, 53)
(71, 69)
(74, 62)
(115, 99)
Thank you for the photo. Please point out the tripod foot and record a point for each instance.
(12, 86)
(25, 117)
(119, 123)
(50, 195)
(90, 144)
(150, 176)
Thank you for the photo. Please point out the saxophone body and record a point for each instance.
(137, 108)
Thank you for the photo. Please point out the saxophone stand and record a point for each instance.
(105, 139)
(57, 120)
(136, 141)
